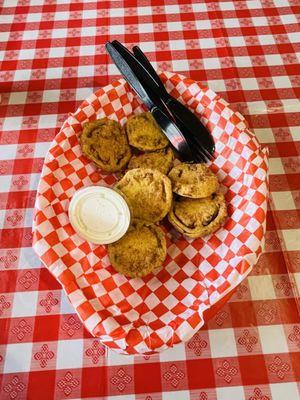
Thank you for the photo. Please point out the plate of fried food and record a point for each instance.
(143, 243)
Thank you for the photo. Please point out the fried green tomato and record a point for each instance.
(193, 180)
(105, 143)
(198, 217)
(144, 133)
(139, 252)
(160, 160)
(149, 193)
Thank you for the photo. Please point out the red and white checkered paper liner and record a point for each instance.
(162, 309)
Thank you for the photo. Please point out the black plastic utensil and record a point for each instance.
(185, 118)
(164, 121)
(140, 71)
(200, 154)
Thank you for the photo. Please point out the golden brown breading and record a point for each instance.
(198, 217)
(105, 143)
(193, 180)
(144, 133)
(149, 193)
(140, 251)
(160, 160)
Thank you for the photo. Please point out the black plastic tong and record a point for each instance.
(197, 142)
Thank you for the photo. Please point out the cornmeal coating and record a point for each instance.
(198, 217)
(149, 193)
(144, 133)
(193, 180)
(105, 143)
(140, 251)
(160, 160)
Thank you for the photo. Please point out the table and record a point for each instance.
(53, 57)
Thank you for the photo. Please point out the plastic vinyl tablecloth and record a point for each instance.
(53, 58)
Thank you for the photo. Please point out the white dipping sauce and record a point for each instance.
(99, 214)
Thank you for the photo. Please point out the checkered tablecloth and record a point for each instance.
(53, 57)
